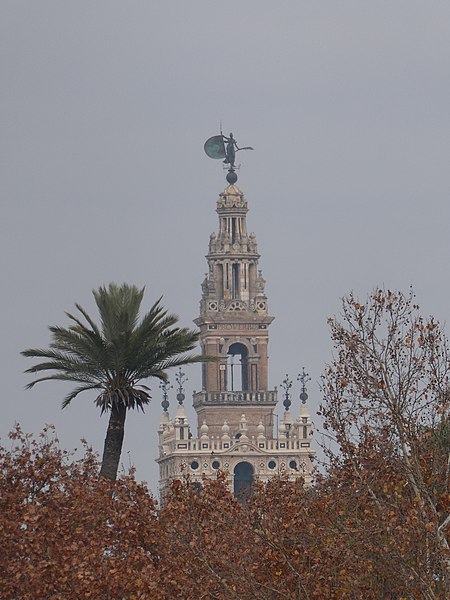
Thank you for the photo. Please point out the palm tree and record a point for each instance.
(115, 357)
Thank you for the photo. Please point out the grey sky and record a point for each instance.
(104, 109)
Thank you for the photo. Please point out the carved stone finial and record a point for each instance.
(260, 282)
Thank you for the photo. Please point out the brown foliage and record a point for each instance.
(65, 533)
(68, 534)
(386, 402)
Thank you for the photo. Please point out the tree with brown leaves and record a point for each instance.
(65, 533)
(386, 401)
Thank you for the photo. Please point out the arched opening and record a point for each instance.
(243, 480)
(237, 368)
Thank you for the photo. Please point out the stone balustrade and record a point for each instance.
(199, 446)
(235, 398)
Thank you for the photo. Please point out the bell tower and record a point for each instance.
(234, 325)
(234, 432)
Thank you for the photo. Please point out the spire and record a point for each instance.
(304, 422)
(243, 429)
(181, 423)
(287, 385)
(165, 386)
(261, 432)
(226, 433)
(234, 281)
(304, 378)
(181, 379)
(164, 424)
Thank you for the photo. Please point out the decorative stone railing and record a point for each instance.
(202, 446)
(235, 398)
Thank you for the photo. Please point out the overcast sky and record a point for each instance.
(104, 109)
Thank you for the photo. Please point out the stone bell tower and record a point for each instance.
(235, 408)
(234, 326)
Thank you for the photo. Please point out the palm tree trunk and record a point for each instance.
(113, 442)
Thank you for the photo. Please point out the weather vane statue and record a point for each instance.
(215, 148)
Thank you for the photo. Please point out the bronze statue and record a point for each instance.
(230, 152)
(215, 148)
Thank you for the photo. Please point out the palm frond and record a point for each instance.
(77, 341)
(170, 363)
(119, 354)
(119, 308)
(77, 372)
(91, 322)
(58, 377)
(129, 396)
(82, 388)
(66, 363)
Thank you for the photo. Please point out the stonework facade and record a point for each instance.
(235, 409)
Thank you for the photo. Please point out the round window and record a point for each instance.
(215, 464)
(272, 464)
(292, 464)
(194, 465)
